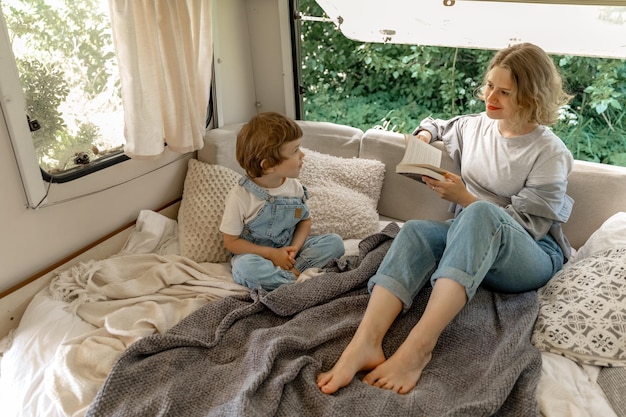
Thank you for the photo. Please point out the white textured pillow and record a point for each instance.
(582, 311)
(611, 234)
(344, 194)
(201, 209)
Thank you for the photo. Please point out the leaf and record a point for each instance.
(616, 159)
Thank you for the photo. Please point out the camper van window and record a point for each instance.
(66, 66)
(388, 65)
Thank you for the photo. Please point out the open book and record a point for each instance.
(420, 159)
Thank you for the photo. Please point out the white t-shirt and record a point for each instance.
(242, 206)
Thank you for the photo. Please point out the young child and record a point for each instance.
(266, 221)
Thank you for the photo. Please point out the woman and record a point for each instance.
(510, 198)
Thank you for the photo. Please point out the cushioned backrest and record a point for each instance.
(329, 138)
(403, 198)
(599, 191)
(219, 147)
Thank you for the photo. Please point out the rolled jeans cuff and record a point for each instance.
(395, 287)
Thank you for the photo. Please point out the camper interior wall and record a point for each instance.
(253, 65)
(252, 74)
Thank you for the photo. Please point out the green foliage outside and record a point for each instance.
(65, 59)
(395, 86)
(70, 59)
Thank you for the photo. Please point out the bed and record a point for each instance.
(158, 326)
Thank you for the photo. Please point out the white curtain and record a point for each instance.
(164, 49)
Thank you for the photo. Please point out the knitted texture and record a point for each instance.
(613, 383)
(201, 209)
(259, 356)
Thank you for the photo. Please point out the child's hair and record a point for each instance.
(537, 85)
(260, 140)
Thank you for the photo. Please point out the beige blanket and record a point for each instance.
(126, 297)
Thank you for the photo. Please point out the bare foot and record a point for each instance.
(358, 356)
(401, 371)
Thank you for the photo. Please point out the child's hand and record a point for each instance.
(283, 257)
(293, 251)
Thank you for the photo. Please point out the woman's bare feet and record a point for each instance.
(358, 356)
(402, 370)
(365, 351)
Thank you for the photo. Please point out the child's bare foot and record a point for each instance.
(358, 356)
(401, 371)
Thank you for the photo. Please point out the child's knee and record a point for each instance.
(337, 245)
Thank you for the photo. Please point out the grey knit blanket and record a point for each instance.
(259, 355)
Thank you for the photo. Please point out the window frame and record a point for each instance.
(35, 180)
(13, 109)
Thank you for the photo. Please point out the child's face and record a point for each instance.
(290, 167)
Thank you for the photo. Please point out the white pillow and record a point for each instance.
(582, 311)
(611, 234)
(343, 192)
(201, 210)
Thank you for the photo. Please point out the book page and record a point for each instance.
(418, 152)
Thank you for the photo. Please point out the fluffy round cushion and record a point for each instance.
(344, 194)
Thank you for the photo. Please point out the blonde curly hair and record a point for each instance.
(537, 85)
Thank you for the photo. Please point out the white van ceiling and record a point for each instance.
(597, 28)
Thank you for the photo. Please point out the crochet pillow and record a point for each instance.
(343, 194)
(582, 311)
(200, 214)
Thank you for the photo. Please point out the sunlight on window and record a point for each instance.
(65, 57)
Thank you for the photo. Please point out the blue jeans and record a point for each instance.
(483, 244)
(255, 271)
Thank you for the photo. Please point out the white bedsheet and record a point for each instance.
(35, 376)
(45, 326)
(567, 389)
(73, 331)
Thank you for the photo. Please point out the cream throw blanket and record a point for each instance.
(125, 297)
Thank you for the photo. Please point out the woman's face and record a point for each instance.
(499, 103)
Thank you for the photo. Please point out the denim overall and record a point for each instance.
(274, 226)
